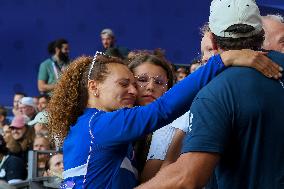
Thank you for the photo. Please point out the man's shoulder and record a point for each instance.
(46, 62)
(277, 57)
(13, 161)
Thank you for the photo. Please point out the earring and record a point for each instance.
(95, 94)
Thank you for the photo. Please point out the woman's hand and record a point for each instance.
(253, 59)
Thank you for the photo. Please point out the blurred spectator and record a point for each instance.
(35, 99)
(6, 132)
(181, 73)
(11, 144)
(42, 102)
(208, 47)
(21, 135)
(12, 169)
(195, 64)
(114, 52)
(41, 143)
(273, 26)
(51, 69)
(108, 41)
(17, 97)
(27, 107)
(40, 123)
(54, 166)
(3, 120)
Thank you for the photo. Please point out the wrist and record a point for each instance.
(227, 58)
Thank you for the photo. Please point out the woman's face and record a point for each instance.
(151, 82)
(118, 90)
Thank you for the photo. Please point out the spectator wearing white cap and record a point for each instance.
(108, 42)
(28, 107)
(40, 123)
(273, 26)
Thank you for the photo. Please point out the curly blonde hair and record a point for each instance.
(70, 95)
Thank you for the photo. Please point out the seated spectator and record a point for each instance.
(54, 166)
(35, 99)
(3, 120)
(12, 168)
(108, 41)
(17, 97)
(195, 64)
(42, 102)
(40, 124)
(11, 144)
(22, 135)
(41, 143)
(6, 132)
(181, 73)
(28, 107)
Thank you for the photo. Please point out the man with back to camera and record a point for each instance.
(237, 119)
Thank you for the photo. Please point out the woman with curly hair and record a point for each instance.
(91, 110)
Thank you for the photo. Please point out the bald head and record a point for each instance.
(273, 26)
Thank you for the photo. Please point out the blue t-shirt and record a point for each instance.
(98, 151)
(240, 115)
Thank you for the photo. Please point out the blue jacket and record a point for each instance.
(98, 150)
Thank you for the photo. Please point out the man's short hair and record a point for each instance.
(236, 24)
(108, 32)
(55, 44)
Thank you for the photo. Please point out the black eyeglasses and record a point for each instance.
(144, 79)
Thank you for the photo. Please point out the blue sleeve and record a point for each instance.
(129, 124)
(210, 126)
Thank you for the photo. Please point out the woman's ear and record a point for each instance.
(93, 88)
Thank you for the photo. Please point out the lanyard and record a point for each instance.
(57, 70)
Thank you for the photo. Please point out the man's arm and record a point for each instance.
(191, 171)
(43, 87)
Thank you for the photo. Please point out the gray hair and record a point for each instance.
(108, 32)
(275, 17)
(204, 29)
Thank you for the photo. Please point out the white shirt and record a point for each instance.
(162, 138)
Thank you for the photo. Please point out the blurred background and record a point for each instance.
(27, 26)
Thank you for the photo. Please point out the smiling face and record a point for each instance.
(18, 133)
(118, 90)
(151, 82)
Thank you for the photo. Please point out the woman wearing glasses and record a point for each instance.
(154, 77)
(91, 111)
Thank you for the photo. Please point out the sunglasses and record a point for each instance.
(144, 79)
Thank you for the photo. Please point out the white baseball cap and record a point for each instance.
(41, 117)
(226, 13)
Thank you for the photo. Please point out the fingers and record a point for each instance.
(268, 68)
